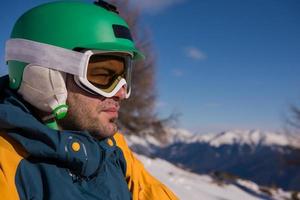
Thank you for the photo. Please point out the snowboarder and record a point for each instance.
(69, 68)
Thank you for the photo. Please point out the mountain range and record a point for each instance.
(266, 158)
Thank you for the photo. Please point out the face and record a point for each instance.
(93, 113)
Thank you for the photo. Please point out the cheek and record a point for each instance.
(103, 117)
(81, 105)
(87, 101)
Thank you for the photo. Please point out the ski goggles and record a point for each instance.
(106, 73)
(97, 72)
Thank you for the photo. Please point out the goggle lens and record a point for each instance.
(103, 71)
(106, 71)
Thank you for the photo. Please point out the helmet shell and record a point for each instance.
(71, 25)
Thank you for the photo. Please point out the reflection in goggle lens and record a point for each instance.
(106, 71)
(103, 71)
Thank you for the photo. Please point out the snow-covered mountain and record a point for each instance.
(190, 186)
(263, 157)
(249, 137)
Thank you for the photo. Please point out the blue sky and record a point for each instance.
(221, 64)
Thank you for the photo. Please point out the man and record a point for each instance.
(69, 68)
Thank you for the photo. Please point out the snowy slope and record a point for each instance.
(190, 186)
(265, 158)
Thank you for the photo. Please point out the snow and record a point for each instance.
(253, 137)
(250, 137)
(190, 186)
(178, 135)
(134, 139)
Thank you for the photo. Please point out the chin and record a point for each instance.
(108, 131)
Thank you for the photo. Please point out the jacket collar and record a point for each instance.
(45, 144)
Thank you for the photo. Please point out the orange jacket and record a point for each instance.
(141, 184)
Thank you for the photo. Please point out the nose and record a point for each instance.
(121, 94)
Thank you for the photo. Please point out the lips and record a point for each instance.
(112, 109)
(112, 112)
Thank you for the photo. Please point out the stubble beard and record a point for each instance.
(79, 118)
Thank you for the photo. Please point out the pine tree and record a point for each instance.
(137, 113)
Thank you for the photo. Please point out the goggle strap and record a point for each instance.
(46, 55)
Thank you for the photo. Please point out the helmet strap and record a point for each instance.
(52, 125)
(50, 121)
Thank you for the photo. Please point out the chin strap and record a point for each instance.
(58, 113)
(52, 124)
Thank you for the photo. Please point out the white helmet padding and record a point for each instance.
(46, 91)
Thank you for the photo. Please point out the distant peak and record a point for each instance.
(251, 137)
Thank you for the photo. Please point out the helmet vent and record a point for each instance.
(107, 6)
(121, 32)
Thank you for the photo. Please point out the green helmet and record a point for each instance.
(71, 25)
